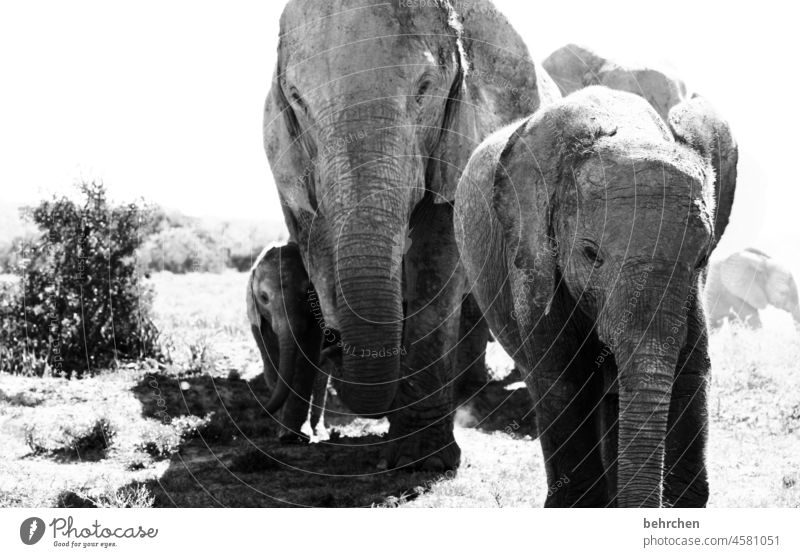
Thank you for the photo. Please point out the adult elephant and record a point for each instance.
(373, 112)
(745, 282)
(585, 230)
(574, 67)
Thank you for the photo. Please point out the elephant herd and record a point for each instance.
(437, 183)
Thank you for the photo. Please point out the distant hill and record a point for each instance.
(179, 243)
(183, 243)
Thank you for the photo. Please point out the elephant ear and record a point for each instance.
(532, 180)
(744, 274)
(498, 83)
(290, 155)
(261, 330)
(253, 316)
(523, 197)
(695, 123)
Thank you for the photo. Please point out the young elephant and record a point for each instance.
(585, 230)
(744, 283)
(289, 337)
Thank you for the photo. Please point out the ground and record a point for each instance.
(193, 433)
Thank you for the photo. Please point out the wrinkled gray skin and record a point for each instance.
(279, 297)
(587, 228)
(574, 67)
(744, 283)
(373, 112)
(471, 352)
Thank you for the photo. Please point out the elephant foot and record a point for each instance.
(320, 431)
(427, 446)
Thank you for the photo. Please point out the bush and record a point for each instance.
(182, 250)
(243, 261)
(11, 252)
(81, 305)
(75, 439)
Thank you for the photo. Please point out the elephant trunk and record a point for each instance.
(644, 399)
(647, 327)
(367, 201)
(286, 368)
(371, 317)
(796, 315)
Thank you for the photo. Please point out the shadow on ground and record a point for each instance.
(235, 459)
(503, 405)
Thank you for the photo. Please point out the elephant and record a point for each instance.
(585, 230)
(471, 351)
(373, 111)
(289, 336)
(573, 67)
(744, 283)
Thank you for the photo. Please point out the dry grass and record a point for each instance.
(194, 433)
(754, 447)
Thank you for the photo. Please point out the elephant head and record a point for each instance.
(374, 108)
(278, 311)
(603, 220)
(574, 67)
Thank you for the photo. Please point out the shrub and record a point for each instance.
(80, 304)
(78, 439)
(243, 261)
(11, 251)
(182, 249)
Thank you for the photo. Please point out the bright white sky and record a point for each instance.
(164, 99)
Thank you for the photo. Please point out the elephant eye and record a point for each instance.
(591, 253)
(421, 90)
(264, 298)
(297, 99)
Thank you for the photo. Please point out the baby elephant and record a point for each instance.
(584, 231)
(289, 337)
(744, 283)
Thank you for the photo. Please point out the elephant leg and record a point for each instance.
(753, 319)
(608, 424)
(567, 403)
(267, 343)
(319, 396)
(421, 430)
(747, 314)
(471, 373)
(609, 446)
(295, 411)
(686, 479)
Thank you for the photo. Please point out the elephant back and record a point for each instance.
(574, 67)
